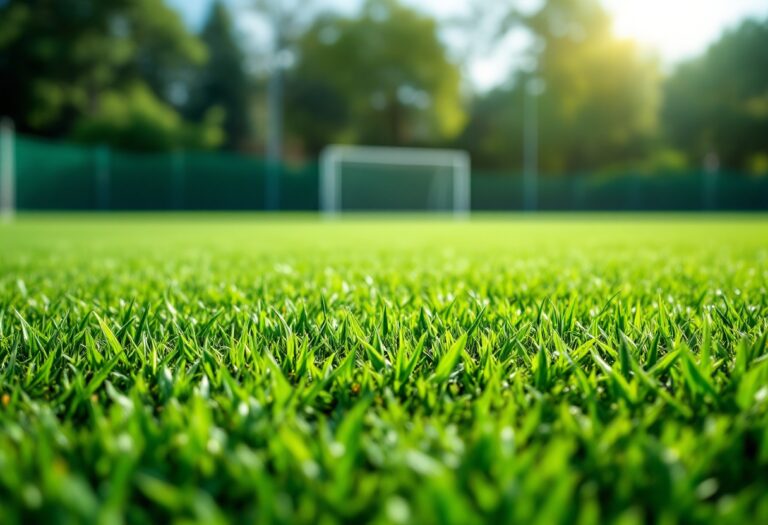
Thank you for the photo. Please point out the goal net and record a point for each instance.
(364, 178)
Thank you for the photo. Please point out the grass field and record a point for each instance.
(213, 369)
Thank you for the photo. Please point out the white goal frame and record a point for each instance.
(334, 156)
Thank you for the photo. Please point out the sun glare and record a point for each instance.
(676, 29)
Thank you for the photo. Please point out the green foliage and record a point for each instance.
(600, 100)
(494, 130)
(599, 370)
(60, 60)
(136, 120)
(602, 97)
(718, 103)
(381, 78)
(222, 82)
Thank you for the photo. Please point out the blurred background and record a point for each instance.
(227, 104)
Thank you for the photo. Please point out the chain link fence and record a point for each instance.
(60, 176)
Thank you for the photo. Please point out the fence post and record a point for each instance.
(7, 170)
(709, 184)
(577, 189)
(177, 182)
(102, 177)
(710, 192)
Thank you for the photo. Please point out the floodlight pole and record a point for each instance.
(530, 146)
(275, 116)
(7, 171)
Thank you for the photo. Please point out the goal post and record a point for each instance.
(395, 176)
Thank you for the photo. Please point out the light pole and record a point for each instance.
(534, 87)
(275, 113)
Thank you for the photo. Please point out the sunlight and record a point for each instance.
(676, 30)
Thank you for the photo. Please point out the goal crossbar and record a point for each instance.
(334, 156)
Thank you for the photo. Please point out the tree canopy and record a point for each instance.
(383, 77)
(597, 95)
(130, 73)
(67, 65)
(222, 81)
(717, 104)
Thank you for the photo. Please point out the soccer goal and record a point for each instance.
(365, 178)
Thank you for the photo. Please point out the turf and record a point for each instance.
(213, 369)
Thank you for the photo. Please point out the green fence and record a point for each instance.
(62, 176)
(59, 176)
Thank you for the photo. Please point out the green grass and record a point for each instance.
(212, 369)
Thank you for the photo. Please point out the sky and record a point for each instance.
(675, 29)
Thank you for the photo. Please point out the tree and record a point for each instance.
(717, 105)
(60, 59)
(380, 78)
(133, 118)
(600, 98)
(494, 132)
(223, 81)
